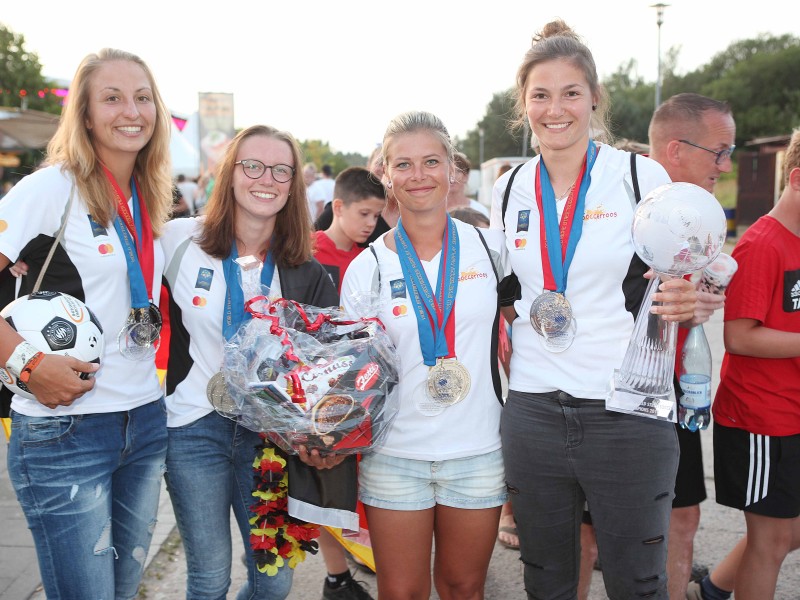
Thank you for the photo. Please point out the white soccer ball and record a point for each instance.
(54, 323)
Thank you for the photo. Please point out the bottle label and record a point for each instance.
(696, 391)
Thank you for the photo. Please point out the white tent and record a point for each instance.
(185, 157)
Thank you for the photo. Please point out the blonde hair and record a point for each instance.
(409, 122)
(72, 148)
(292, 235)
(791, 159)
(558, 41)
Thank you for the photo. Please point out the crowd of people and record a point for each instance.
(546, 469)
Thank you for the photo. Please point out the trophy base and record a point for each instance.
(621, 398)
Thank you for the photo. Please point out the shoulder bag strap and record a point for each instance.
(508, 193)
(59, 237)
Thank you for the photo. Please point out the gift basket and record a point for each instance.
(309, 376)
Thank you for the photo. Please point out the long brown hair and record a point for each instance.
(292, 236)
(71, 147)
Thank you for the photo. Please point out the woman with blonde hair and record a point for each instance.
(438, 477)
(86, 454)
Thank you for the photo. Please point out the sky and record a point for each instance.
(339, 71)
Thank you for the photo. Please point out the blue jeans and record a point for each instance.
(210, 470)
(560, 451)
(89, 487)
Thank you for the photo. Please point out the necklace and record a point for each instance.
(565, 194)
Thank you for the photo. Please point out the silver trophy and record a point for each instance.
(679, 228)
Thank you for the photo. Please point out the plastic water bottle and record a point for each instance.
(694, 405)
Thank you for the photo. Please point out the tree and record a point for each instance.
(320, 153)
(631, 103)
(498, 140)
(21, 75)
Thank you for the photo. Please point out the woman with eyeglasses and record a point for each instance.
(259, 208)
(567, 221)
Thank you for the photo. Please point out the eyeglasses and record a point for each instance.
(721, 154)
(255, 168)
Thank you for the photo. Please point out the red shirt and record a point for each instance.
(334, 260)
(762, 395)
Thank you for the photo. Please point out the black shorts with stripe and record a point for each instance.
(757, 473)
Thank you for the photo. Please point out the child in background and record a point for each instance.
(358, 199)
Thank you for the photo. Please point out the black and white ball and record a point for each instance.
(54, 323)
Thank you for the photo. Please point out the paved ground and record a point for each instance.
(720, 529)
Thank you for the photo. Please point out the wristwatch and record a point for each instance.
(20, 357)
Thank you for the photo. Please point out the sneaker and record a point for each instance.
(694, 591)
(352, 590)
(698, 572)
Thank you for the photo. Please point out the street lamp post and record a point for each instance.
(481, 136)
(659, 20)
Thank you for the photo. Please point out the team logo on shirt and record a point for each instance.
(105, 249)
(594, 214)
(204, 277)
(3, 226)
(523, 220)
(471, 273)
(398, 288)
(97, 229)
(791, 297)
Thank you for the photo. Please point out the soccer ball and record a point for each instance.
(53, 323)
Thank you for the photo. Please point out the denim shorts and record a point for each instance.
(405, 484)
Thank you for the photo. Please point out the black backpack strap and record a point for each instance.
(636, 192)
(488, 252)
(493, 352)
(508, 193)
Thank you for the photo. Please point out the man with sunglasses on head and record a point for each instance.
(692, 137)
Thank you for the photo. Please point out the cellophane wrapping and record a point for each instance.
(309, 376)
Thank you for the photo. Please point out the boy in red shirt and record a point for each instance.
(358, 200)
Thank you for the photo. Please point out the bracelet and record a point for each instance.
(25, 375)
(20, 357)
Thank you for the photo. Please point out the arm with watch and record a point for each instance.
(51, 378)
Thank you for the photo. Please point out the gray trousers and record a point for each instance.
(560, 451)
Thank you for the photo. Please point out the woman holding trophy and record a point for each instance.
(439, 473)
(567, 214)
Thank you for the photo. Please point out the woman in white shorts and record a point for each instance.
(439, 474)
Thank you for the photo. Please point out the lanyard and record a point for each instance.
(235, 314)
(559, 239)
(435, 314)
(136, 236)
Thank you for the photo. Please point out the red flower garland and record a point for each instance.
(276, 537)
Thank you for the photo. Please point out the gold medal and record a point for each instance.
(448, 382)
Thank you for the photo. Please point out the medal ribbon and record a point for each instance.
(136, 236)
(435, 316)
(235, 314)
(558, 240)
